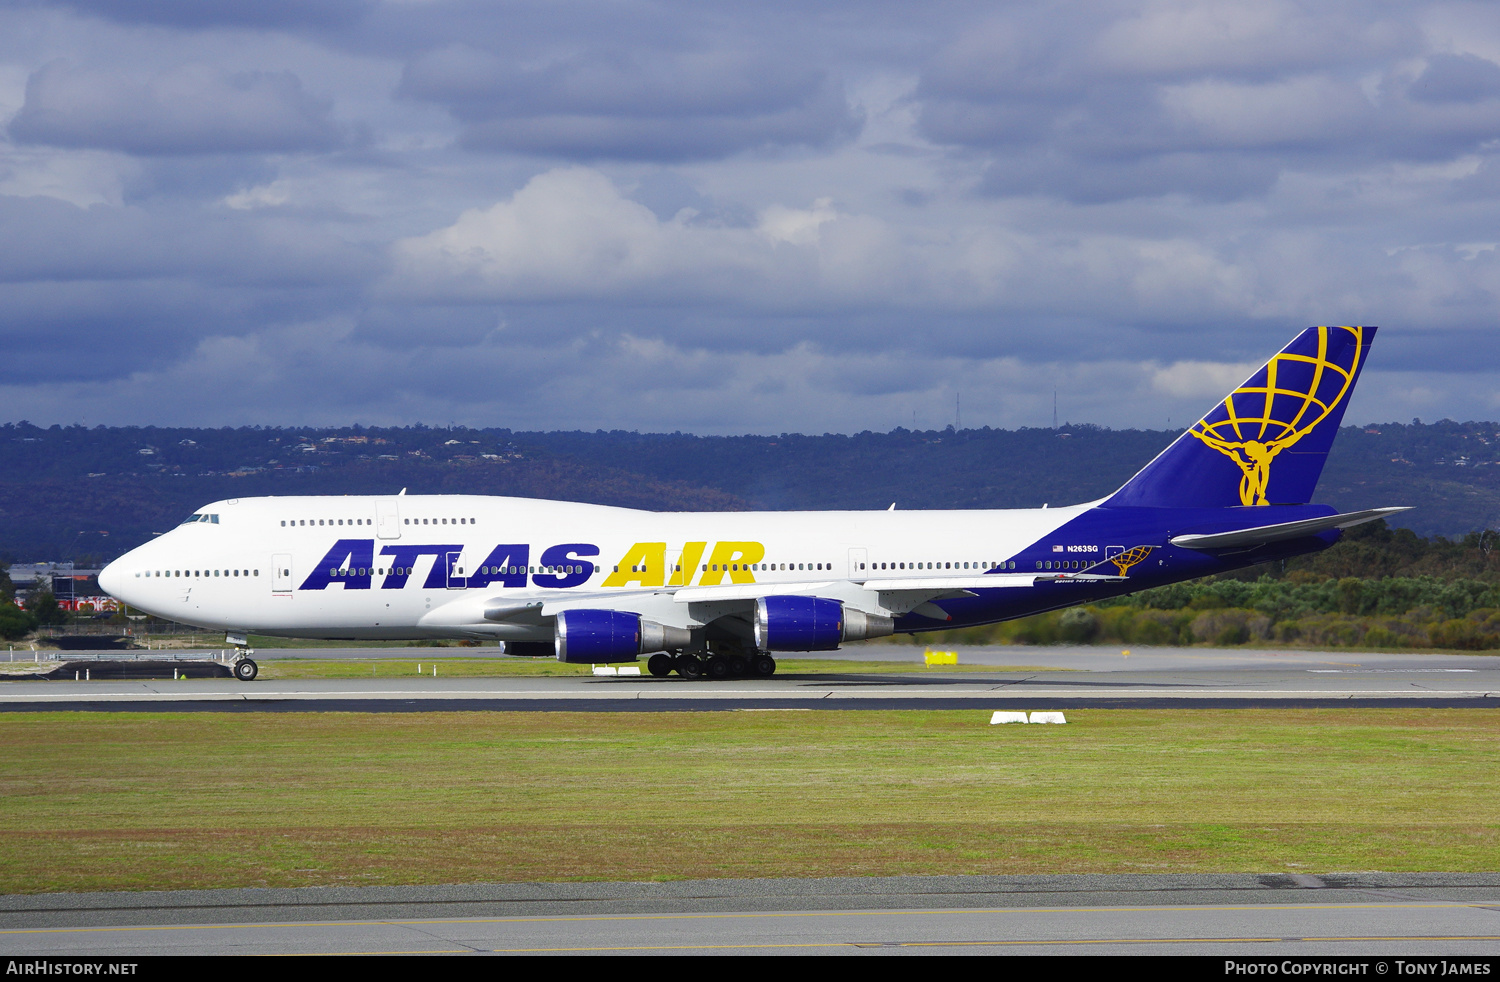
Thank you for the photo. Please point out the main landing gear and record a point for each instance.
(715, 665)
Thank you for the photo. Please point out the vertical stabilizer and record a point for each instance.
(1265, 443)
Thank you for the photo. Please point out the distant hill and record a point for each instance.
(90, 494)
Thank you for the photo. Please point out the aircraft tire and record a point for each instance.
(717, 667)
(659, 664)
(689, 666)
(763, 666)
(245, 670)
(738, 665)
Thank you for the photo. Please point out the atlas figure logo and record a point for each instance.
(1281, 404)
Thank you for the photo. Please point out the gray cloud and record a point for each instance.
(189, 110)
(264, 14)
(652, 105)
(1457, 78)
(1207, 100)
(787, 218)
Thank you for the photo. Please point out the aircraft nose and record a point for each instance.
(112, 579)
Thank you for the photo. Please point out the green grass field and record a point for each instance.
(96, 801)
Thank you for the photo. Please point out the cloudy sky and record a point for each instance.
(731, 218)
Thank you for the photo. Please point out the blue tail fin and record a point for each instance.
(1266, 442)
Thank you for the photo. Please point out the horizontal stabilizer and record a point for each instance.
(1279, 533)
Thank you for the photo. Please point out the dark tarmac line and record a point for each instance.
(1382, 914)
(1054, 678)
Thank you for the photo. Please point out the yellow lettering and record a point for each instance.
(726, 553)
(649, 560)
(692, 554)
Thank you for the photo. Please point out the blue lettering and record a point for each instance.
(405, 557)
(348, 562)
(566, 555)
(499, 563)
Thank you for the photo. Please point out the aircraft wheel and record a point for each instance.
(245, 670)
(763, 666)
(689, 666)
(718, 667)
(738, 665)
(659, 664)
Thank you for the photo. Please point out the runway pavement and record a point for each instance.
(1047, 678)
(1390, 915)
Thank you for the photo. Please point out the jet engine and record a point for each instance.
(813, 624)
(612, 635)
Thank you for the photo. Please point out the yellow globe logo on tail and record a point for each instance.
(1281, 404)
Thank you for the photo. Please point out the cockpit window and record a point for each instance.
(212, 519)
(192, 519)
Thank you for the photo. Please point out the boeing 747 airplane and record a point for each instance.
(720, 593)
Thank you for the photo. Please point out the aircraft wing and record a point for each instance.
(685, 606)
(1277, 533)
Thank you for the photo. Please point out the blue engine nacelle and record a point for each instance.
(612, 635)
(798, 624)
(813, 624)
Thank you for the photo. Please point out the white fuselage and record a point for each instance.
(430, 565)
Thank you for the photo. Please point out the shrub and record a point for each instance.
(1078, 625)
(1154, 627)
(15, 622)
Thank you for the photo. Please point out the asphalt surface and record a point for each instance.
(1045, 678)
(1394, 915)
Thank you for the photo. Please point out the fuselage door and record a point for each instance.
(281, 573)
(857, 564)
(456, 579)
(388, 513)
